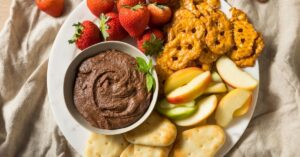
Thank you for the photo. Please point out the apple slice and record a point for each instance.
(180, 78)
(233, 75)
(164, 104)
(206, 107)
(191, 90)
(231, 102)
(244, 109)
(216, 87)
(176, 111)
(216, 77)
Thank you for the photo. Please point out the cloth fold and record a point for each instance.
(27, 126)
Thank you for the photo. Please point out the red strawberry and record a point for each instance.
(159, 1)
(51, 7)
(134, 19)
(100, 6)
(111, 28)
(131, 3)
(151, 42)
(86, 34)
(159, 14)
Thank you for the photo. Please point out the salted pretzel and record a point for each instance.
(248, 43)
(219, 30)
(207, 57)
(191, 5)
(193, 26)
(250, 60)
(214, 3)
(179, 15)
(244, 35)
(180, 51)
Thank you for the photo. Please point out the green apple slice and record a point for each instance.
(205, 107)
(164, 104)
(177, 112)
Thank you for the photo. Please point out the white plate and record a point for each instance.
(63, 53)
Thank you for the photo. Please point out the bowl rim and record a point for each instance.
(70, 76)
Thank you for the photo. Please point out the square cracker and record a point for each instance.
(203, 141)
(105, 146)
(128, 152)
(145, 151)
(155, 131)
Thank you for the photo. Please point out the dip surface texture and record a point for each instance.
(110, 92)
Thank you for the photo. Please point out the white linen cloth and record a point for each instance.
(27, 126)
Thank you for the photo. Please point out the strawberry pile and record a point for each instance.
(119, 19)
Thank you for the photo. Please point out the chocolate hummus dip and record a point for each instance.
(110, 92)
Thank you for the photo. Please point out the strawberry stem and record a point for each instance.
(78, 30)
(103, 26)
(153, 46)
(134, 8)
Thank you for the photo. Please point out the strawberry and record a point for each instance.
(131, 3)
(51, 7)
(151, 42)
(86, 34)
(134, 19)
(111, 28)
(159, 1)
(159, 14)
(100, 6)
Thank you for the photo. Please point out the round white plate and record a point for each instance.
(63, 53)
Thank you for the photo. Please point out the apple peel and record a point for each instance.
(234, 76)
(190, 91)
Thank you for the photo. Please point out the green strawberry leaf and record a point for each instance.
(142, 65)
(78, 30)
(126, 6)
(134, 8)
(153, 46)
(137, 7)
(149, 82)
(103, 26)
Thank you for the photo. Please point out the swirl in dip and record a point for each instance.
(110, 92)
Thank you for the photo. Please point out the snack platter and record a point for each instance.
(61, 56)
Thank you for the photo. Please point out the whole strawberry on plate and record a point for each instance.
(97, 7)
(111, 28)
(86, 34)
(134, 19)
(131, 3)
(159, 14)
(151, 42)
